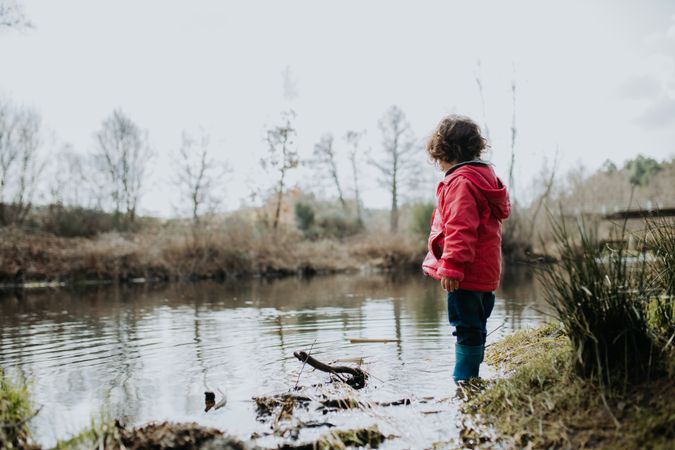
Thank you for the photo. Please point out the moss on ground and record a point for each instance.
(541, 403)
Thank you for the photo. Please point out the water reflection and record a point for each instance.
(148, 352)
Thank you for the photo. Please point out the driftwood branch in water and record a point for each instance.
(358, 376)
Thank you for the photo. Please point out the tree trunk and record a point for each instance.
(279, 199)
(357, 199)
(394, 206)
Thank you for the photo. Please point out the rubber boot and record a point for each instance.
(467, 361)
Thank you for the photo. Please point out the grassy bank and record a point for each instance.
(542, 403)
(172, 252)
(603, 378)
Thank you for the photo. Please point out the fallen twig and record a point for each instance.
(358, 376)
(502, 324)
(303, 365)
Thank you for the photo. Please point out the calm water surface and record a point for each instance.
(149, 352)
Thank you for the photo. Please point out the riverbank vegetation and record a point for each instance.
(71, 216)
(604, 377)
(542, 403)
(59, 243)
(228, 248)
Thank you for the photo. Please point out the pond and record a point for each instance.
(148, 352)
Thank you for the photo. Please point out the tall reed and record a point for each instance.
(661, 243)
(601, 294)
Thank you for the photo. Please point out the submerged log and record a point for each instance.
(358, 376)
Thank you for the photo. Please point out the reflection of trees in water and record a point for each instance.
(125, 360)
(521, 294)
(519, 282)
(206, 332)
(397, 328)
(282, 344)
(199, 350)
(420, 296)
(429, 305)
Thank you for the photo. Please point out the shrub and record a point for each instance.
(338, 226)
(77, 221)
(304, 216)
(602, 294)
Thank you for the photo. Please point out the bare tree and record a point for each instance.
(122, 157)
(512, 164)
(281, 156)
(20, 162)
(30, 165)
(353, 139)
(398, 145)
(548, 176)
(9, 153)
(479, 83)
(324, 156)
(198, 175)
(12, 15)
(68, 181)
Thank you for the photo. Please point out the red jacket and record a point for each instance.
(466, 227)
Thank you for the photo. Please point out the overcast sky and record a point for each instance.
(596, 79)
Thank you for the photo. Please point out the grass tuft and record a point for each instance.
(602, 295)
(15, 412)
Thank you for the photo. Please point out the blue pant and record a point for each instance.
(468, 311)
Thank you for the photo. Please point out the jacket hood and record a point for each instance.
(481, 174)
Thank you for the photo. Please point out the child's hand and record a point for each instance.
(449, 284)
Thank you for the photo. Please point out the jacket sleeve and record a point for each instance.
(460, 218)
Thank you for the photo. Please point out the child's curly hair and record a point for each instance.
(456, 139)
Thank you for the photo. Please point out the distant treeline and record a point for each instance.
(640, 183)
(103, 187)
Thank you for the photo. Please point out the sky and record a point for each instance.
(594, 79)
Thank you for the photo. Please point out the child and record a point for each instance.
(465, 239)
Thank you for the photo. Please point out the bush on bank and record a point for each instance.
(609, 299)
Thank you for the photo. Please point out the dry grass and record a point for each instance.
(388, 251)
(231, 248)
